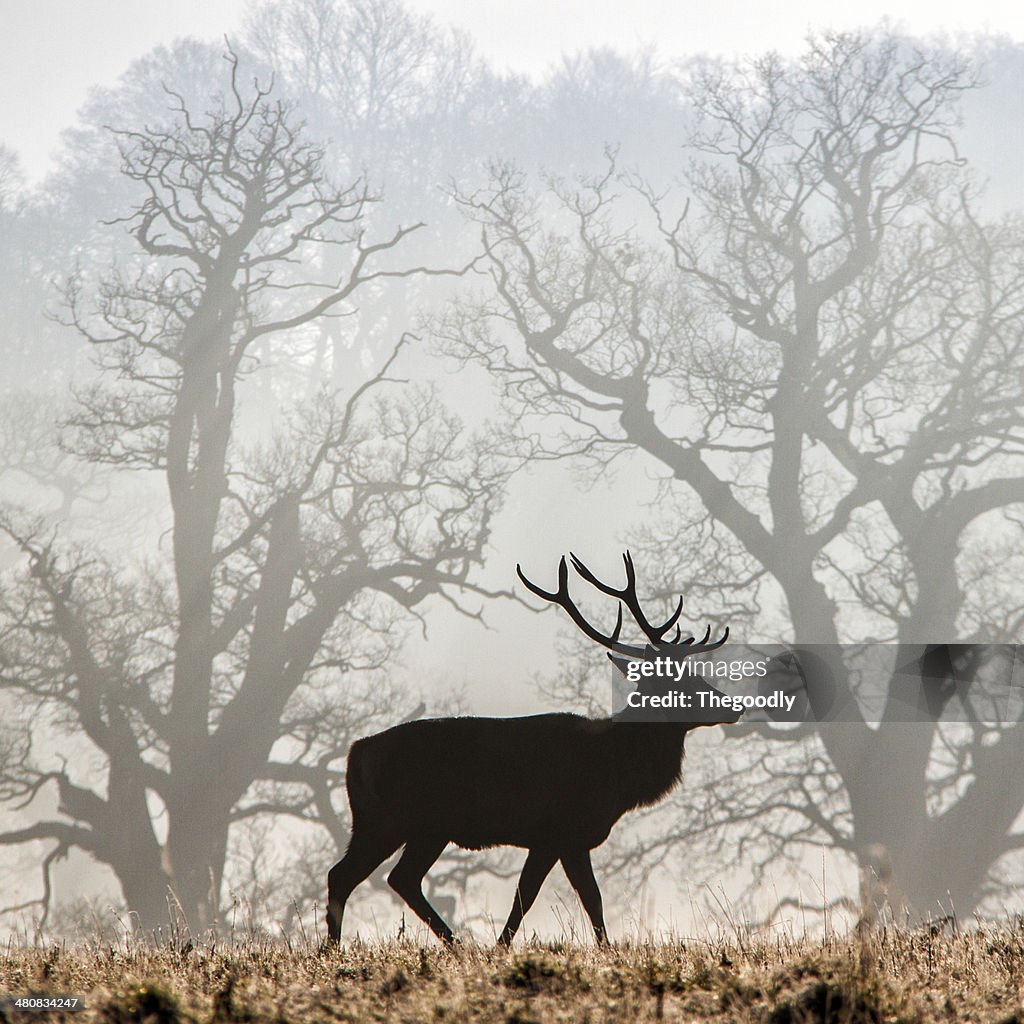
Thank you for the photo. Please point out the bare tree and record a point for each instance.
(32, 461)
(824, 359)
(404, 101)
(35, 352)
(399, 94)
(167, 698)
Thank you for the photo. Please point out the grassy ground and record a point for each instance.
(909, 976)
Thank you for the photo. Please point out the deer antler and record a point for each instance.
(563, 600)
(625, 596)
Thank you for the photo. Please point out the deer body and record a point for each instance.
(556, 778)
(554, 784)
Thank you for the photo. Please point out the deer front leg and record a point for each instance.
(580, 873)
(537, 867)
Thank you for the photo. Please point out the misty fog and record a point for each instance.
(314, 332)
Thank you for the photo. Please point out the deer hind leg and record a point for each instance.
(406, 879)
(365, 853)
(537, 867)
(580, 873)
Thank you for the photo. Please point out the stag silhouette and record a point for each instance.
(555, 784)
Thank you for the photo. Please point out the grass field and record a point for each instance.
(901, 976)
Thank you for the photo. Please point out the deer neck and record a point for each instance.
(654, 753)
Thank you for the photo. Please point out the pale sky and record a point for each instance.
(51, 51)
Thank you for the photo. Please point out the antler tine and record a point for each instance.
(703, 646)
(721, 640)
(628, 596)
(563, 573)
(700, 646)
(655, 634)
(563, 600)
(673, 618)
(618, 624)
(586, 574)
(627, 558)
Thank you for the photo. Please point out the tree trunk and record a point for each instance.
(146, 894)
(924, 865)
(197, 841)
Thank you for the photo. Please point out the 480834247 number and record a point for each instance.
(41, 1004)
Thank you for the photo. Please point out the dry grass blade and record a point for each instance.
(894, 976)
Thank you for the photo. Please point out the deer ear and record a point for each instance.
(622, 664)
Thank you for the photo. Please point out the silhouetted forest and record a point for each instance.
(313, 333)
